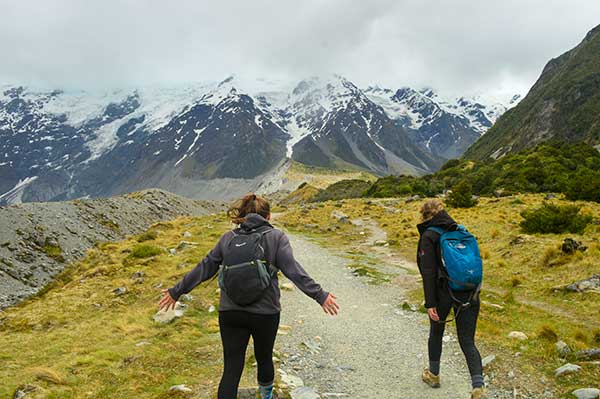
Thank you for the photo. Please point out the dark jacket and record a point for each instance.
(279, 254)
(429, 256)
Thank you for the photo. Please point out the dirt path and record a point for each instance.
(373, 348)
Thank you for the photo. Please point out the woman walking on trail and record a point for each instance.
(439, 299)
(247, 261)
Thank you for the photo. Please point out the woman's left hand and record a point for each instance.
(167, 302)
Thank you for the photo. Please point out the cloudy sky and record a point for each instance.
(456, 46)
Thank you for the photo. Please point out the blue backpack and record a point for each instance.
(461, 258)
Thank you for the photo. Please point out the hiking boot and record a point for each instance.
(478, 393)
(266, 392)
(431, 379)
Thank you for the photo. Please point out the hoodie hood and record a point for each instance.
(254, 221)
(442, 220)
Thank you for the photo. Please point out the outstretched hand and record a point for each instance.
(167, 302)
(330, 306)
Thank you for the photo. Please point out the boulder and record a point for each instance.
(587, 393)
(588, 354)
(570, 246)
(563, 349)
(567, 369)
(591, 284)
(167, 316)
(486, 361)
(180, 388)
(341, 217)
(521, 336)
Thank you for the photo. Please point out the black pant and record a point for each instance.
(466, 323)
(236, 329)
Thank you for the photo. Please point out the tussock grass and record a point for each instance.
(145, 251)
(520, 272)
(77, 339)
(147, 236)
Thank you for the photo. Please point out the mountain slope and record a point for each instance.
(348, 129)
(564, 105)
(444, 127)
(217, 141)
(40, 239)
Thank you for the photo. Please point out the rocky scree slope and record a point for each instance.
(38, 240)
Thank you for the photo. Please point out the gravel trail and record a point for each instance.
(372, 349)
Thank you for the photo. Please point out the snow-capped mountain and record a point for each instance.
(445, 127)
(219, 140)
(336, 125)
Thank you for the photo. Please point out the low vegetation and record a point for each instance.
(571, 169)
(353, 188)
(81, 339)
(461, 195)
(555, 219)
(523, 272)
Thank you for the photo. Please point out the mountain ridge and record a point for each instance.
(195, 140)
(563, 105)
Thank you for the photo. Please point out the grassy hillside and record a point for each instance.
(318, 177)
(81, 340)
(521, 272)
(563, 104)
(573, 169)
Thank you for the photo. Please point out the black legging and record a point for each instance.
(236, 329)
(466, 323)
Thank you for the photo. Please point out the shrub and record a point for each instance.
(548, 333)
(554, 219)
(145, 251)
(461, 196)
(352, 188)
(450, 164)
(147, 236)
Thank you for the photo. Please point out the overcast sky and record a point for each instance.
(456, 46)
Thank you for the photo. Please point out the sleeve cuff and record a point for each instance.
(322, 297)
(173, 294)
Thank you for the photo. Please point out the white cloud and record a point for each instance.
(457, 46)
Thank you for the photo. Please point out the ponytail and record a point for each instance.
(250, 203)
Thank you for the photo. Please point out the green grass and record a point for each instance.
(520, 272)
(78, 340)
(149, 235)
(145, 251)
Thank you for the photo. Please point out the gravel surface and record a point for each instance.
(372, 349)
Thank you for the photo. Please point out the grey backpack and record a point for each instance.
(245, 273)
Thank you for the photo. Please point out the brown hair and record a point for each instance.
(430, 209)
(250, 203)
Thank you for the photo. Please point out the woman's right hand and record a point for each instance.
(167, 302)
(330, 306)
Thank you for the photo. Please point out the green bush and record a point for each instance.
(450, 164)
(461, 196)
(352, 188)
(147, 236)
(145, 251)
(554, 219)
(401, 186)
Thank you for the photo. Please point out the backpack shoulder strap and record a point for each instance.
(437, 229)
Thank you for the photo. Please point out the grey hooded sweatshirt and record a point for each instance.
(279, 254)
